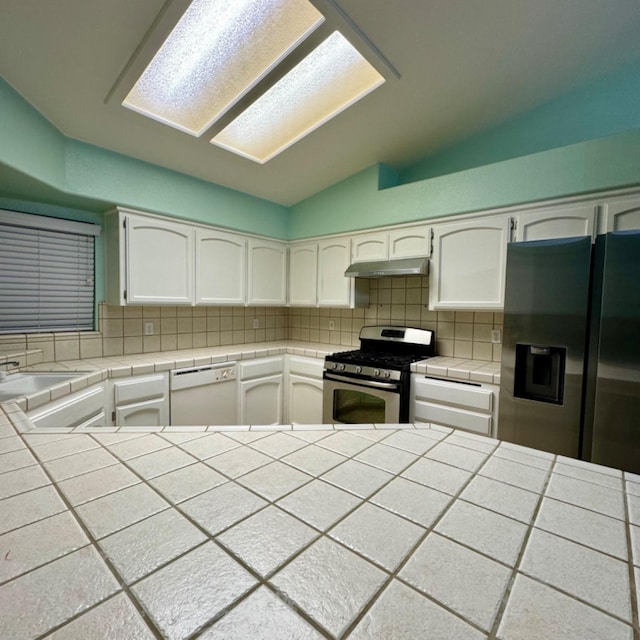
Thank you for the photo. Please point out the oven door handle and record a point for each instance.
(361, 383)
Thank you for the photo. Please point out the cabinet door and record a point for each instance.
(370, 247)
(334, 288)
(267, 273)
(303, 274)
(261, 400)
(150, 413)
(411, 242)
(468, 264)
(623, 214)
(159, 261)
(220, 268)
(556, 222)
(305, 400)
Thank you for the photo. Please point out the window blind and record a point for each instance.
(46, 275)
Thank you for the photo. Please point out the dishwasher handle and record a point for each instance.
(202, 375)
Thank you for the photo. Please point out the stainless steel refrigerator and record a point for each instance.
(571, 348)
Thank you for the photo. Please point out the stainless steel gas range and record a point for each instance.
(371, 384)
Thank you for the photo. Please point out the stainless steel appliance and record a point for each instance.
(571, 349)
(371, 384)
(204, 395)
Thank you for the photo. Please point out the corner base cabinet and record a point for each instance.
(260, 391)
(304, 390)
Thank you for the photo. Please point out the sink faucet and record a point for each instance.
(4, 374)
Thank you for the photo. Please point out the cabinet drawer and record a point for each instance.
(128, 391)
(451, 417)
(71, 411)
(311, 367)
(454, 393)
(260, 368)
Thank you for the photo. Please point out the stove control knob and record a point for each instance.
(358, 369)
(342, 367)
(387, 374)
(376, 372)
(334, 365)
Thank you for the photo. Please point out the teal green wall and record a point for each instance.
(605, 107)
(359, 202)
(95, 176)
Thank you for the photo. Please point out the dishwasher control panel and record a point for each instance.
(202, 375)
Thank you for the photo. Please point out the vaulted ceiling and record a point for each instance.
(452, 68)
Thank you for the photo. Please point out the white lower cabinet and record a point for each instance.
(84, 408)
(304, 390)
(260, 391)
(140, 401)
(470, 406)
(261, 400)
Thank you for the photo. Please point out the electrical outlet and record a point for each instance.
(256, 323)
(332, 325)
(148, 328)
(496, 336)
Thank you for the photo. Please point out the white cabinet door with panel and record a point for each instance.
(334, 288)
(261, 400)
(304, 390)
(303, 274)
(560, 221)
(305, 400)
(221, 260)
(623, 213)
(410, 242)
(159, 261)
(267, 273)
(369, 247)
(140, 401)
(469, 263)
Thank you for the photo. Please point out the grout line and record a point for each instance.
(634, 589)
(92, 540)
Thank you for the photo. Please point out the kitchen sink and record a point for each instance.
(24, 384)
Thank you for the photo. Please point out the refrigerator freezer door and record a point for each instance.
(614, 404)
(546, 302)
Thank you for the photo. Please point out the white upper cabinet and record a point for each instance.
(468, 264)
(267, 272)
(221, 260)
(303, 274)
(405, 242)
(560, 221)
(410, 242)
(369, 247)
(334, 288)
(159, 261)
(622, 214)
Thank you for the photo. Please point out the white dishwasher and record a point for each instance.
(204, 395)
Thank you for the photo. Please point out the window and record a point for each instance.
(46, 274)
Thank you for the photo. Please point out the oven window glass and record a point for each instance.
(357, 407)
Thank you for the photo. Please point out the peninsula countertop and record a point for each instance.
(385, 531)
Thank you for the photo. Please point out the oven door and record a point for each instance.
(347, 400)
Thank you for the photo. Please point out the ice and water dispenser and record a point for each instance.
(539, 373)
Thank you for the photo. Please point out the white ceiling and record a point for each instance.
(463, 66)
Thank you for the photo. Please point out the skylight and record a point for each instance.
(216, 53)
(330, 79)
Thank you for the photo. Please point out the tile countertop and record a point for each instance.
(98, 369)
(369, 533)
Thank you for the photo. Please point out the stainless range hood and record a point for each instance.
(383, 268)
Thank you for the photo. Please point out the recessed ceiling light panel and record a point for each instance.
(331, 78)
(217, 52)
